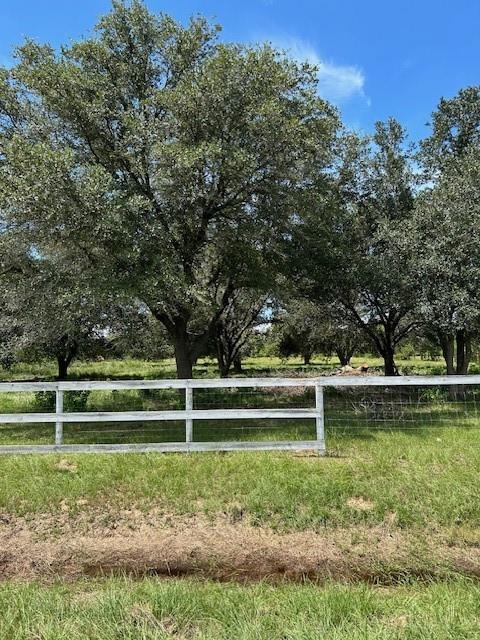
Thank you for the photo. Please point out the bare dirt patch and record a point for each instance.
(132, 542)
(67, 466)
(360, 504)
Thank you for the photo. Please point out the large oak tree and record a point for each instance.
(170, 160)
(446, 236)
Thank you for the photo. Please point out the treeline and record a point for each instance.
(161, 189)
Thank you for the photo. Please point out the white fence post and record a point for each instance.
(320, 419)
(59, 423)
(188, 407)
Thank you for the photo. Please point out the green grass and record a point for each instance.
(381, 452)
(130, 368)
(186, 609)
(426, 478)
(414, 462)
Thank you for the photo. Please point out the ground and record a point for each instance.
(134, 368)
(381, 539)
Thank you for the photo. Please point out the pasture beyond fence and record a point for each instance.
(229, 414)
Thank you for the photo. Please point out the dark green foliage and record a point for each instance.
(163, 162)
(152, 175)
(72, 401)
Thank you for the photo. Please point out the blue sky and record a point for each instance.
(377, 58)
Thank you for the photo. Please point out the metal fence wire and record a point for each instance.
(226, 414)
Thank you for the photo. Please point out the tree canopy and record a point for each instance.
(151, 171)
(166, 157)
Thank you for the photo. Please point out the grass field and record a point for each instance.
(381, 539)
(426, 479)
(186, 609)
(132, 368)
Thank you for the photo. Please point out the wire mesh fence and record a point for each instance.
(255, 397)
(352, 409)
(240, 413)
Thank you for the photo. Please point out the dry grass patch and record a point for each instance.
(137, 543)
(360, 504)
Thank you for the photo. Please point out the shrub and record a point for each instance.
(72, 401)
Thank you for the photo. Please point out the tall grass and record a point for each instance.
(187, 609)
(426, 479)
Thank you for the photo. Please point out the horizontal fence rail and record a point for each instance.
(189, 415)
(225, 383)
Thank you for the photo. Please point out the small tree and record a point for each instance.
(245, 310)
(338, 334)
(351, 239)
(300, 330)
(54, 312)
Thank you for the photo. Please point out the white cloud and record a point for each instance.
(340, 82)
(337, 83)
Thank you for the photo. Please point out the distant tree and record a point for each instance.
(339, 335)
(299, 330)
(246, 310)
(446, 232)
(170, 159)
(263, 342)
(362, 259)
(305, 328)
(53, 312)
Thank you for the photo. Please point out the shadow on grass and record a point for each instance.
(339, 438)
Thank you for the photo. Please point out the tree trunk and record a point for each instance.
(468, 352)
(223, 360)
(460, 340)
(237, 364)
(307, 357)
(224, 352)
(63, 363)
(186, 347)
(457, 351)
(447, 345)
(390, 368)
(454, 365)
(464, 352)
(183, 357)
(344, 356)
(67, 352)
(223, 369)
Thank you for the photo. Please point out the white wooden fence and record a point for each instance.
(189, 414)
